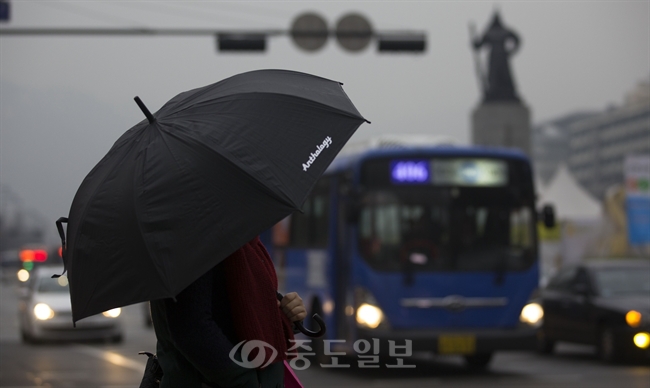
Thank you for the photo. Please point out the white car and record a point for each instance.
(45, 312)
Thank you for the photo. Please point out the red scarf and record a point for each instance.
(252, 284)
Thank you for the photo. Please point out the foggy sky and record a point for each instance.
(65, 100)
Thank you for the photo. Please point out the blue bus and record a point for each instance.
(432, 245)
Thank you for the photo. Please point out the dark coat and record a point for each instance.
(195, 336)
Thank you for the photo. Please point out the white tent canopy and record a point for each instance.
(571, 201)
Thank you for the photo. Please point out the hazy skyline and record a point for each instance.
(65, 100)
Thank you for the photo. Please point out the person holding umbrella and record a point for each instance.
(233, 302)
(171, 213)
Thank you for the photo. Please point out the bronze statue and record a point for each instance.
(499, 85)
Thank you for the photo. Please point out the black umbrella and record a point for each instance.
(183, 189)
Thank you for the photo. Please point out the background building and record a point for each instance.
(550, 144)
(594, 144)
(598, 144)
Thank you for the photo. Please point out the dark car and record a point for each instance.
(599, 302)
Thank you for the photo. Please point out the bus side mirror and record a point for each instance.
(548, 216)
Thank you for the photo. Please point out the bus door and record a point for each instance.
(343, 247)
(304, 256)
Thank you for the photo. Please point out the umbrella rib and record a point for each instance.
(162, 272)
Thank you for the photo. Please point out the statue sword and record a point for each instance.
(482, 83)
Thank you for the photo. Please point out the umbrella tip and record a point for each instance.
(144, 110)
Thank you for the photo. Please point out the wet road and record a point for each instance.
(119, 365)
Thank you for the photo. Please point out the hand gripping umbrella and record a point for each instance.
(182, 190)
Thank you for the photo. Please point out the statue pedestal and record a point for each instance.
(502, 124)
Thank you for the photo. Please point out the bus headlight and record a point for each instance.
(368, 313)
(113, 313)
(369, 316)
(532, 314)
(43, 312)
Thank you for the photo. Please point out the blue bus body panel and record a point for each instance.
(309, 272)
(389, 290)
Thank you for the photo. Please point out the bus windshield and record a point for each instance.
(446, 228)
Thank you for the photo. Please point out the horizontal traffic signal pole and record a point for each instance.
(128, 31)
(237, 40)
(194, 31)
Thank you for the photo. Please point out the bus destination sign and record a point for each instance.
(450, 172)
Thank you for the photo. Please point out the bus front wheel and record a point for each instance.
(478, 361)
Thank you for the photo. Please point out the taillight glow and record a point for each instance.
(38, 255)
(26, 255)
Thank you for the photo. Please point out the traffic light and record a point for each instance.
(5, 13)
(401, 42)
(353, 32)
(241, 42)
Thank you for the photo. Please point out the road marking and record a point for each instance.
(112, 357)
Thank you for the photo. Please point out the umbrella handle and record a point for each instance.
(59, 227)
(299, 325)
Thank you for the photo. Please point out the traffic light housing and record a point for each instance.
(241, 42)
(401, 42)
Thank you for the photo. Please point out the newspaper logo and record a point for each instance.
(246, 350)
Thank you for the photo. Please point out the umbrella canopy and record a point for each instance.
(182, 190)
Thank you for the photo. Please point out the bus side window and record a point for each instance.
(520, 228)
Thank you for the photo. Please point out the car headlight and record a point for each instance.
(532, 314)
(112, 313)
(23, 275)
(43, 312)
(633, 318)
(642, 340)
